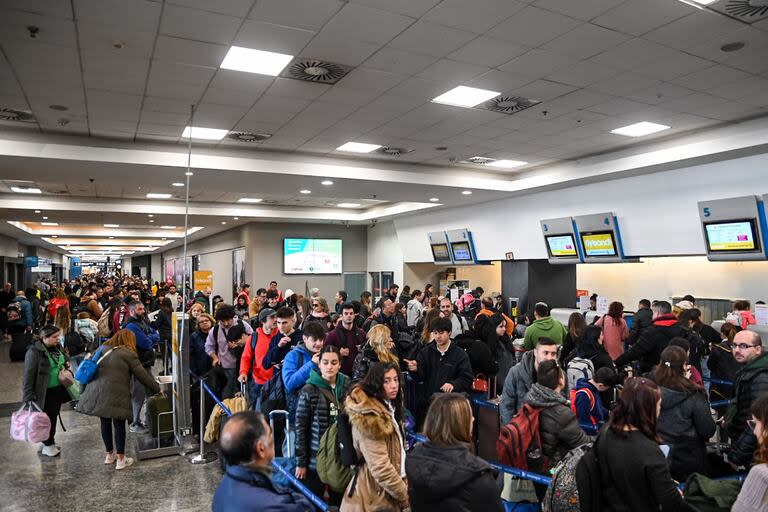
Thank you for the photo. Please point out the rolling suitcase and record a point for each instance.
(288, 460)
(160, 418)
(20, 342)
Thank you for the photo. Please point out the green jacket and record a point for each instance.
(546, 327)
(341, 384)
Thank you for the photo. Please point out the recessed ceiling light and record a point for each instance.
(358, 147)
(327, 183)
(640, 129)
(466, 192)
(54, 236)
(177, 184)
(37, 211)
(223, 222)
(165, 238)
(189, 173)
(199, 132)
(111, 225)
(305, 191)
(111, 237)
(434, 199)
(167, 227)
(158, 196)
(255, 61)
(49, 223)
(151, 220)
(348, 205)
(463, 96)
(151, 215)
(235, 218)
(249, 200)
(45, 218)
(506, 164)
(27, 190)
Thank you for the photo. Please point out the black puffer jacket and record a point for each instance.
(751, 383)
(314, 414)
(648, 348)
(450, 479)
(480, 357)
(722, 366)
(558, 426)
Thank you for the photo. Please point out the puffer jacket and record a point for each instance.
(378, 441)
(314, 414)
(647, 350)
(558, 426)
(365, 359)
(685, 424)
(516, 385)
(108, 395)
(450, 479)
(480, 358)
(751, 382)
(37, 369)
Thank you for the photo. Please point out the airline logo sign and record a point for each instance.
(599, 245)
(203, 278)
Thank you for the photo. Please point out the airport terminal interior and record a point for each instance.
(219, 190)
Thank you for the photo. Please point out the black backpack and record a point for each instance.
(589, 481)
(74, 343)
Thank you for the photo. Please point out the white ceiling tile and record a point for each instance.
(543, 90)
(502, 81)
(623, 84)
(141, 15)
(675, 64)
(120, 82)
(288, 88)
(53, 31)
(154, 104)
(533, 27)
(167, 71)
(538, 63)
(198, 25)
(272, 38)
(487, 51)
(583, 9)
(704, 105)
(631, 54)
(243, 82)
(369, 80)
(100, 38)
(361, 23)
(106, 133)
(327, 46)
(218, 116)
(13, 101)
(659, 93)
(355, 97)
(52, 8)
(175, 90)
(431, 39)
(229, 97)
(128, 103)
(694, 30)
(126, 127)
(640, 16)
(413, 8)
(238, 8)
(451, 72)
(477, 16)
(618, 106)
(296, 13)
(157, 129)
(582, 74)
(751, 58)
(424, 90)
(710, 78)
(248, 125)
(165, 118)
(586, 41)
(751, 91)
(399, 61)
(732, 111)
(195, 53)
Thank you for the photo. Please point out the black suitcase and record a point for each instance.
(20, 342)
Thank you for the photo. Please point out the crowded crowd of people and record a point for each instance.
(410, 361)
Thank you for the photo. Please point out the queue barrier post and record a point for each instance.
(203, 457)
(712, 380)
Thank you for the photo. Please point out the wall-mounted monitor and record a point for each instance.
(561, 246)
(462, 247)
(440, 253)
(599, 244)
(312, 256)
(461, 251)
(732, 236)
(560, 241)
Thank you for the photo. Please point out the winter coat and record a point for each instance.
(296, 369)
(213, 427)
(146, 336)
(751, 382)
(314, 414)
(599, 357)
(722, 366)
(516, 386)
(546, 327)
(480, 357)
(559, 429)
(588, 411)
(389, 321)
(344, 338)
(163, 325)
(108, 395)
(37, 370)
(450, 479)
(325, 321)
(364, 360)
(509, 323)
(199, 361)
(614, 334)
(380, 483)
(253, 354)
(685, 424)
(434, 370)
(27, 315)
(275, 353)
(247, 489)
(414, 311)
(648, 348)
(641, 320)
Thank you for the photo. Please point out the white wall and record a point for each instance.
(157, 267)
(657, 213)
(662, 278)
(220, 263)
(385, 251)
(9, 247)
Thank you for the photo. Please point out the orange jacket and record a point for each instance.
(510, 323)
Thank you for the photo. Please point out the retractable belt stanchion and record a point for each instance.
(203, 457)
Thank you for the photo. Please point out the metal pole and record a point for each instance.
(202, 457)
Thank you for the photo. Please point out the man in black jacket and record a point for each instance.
(442, 367)
(6, 296)
(751, 383)
(641, 320)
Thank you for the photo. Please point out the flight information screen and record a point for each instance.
(311, 256)
(731, 236)
(561, 246)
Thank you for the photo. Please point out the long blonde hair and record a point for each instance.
(378, 337)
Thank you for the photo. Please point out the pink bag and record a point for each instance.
(28, 424)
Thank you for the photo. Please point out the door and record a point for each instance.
(355, 283)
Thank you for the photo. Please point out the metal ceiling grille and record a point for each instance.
(751, 10)
(390, 151)
(479, 160)
(248, 136)
(315, 70)
(508, 104)
(9, 114)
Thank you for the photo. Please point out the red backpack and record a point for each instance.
(519, 442)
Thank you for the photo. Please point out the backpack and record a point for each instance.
(273, 394)
(103, 324)
(80, 308)
(563, 491)
(331, 467)
(574, 393)
(519, 443)
(579, 368)
(74, 343)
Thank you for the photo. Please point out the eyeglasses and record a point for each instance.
(315, 305)
(743, 346)
(751, 424)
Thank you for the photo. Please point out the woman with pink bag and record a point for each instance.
(42, 364)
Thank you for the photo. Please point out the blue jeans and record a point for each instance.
(254, 394)
(119, 432)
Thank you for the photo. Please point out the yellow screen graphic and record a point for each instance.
(561, 246)
(600, 244)
(732, 236)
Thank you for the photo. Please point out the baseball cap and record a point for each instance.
(265, 313)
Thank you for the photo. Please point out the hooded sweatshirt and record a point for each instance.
(546, 327)
(450, 479)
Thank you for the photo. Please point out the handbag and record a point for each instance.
(30, 424)
(480, 383)
(86, 372)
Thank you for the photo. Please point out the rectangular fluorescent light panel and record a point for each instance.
(204, 133)
(358, 147)
(158, 196)
(506, 164)
(255, 61)
(27, 190)
(111, 225)
(49, 223)
(348, 205)
(249, 200)
(640, 129)
(167, 227)
(463, 96)
(704, 2)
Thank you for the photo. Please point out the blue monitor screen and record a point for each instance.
(461, 251)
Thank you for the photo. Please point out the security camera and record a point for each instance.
(33, 30)
(373, 223)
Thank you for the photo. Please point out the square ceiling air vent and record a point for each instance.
(481, 160)
(508, 104)
(315, 70)
(748, 11)
(22, 116)
(248, 136)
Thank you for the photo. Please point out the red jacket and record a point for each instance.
(54, 305)
(251, 362)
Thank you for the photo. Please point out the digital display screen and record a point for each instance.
(599, 244)
(561, 246)
(731, 236)
(440, 253)
(461, 251)
(311, 256)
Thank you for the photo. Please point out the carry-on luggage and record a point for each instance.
(288, 460)
(30, 424)
(160, 418)
(20, 342)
